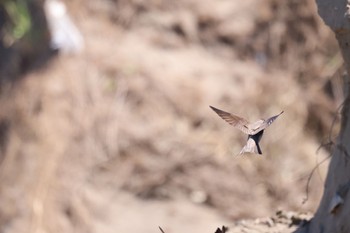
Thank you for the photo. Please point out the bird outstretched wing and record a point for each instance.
(263, 124)
(242, 124)
(238, 122)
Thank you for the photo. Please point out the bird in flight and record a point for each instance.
(254, 130)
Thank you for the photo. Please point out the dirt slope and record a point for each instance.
(120, 138)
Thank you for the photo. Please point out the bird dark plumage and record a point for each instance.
(254, 130)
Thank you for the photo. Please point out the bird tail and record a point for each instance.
(251, 147)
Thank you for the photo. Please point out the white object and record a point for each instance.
(65, 36)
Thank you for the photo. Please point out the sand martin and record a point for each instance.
(254, 130)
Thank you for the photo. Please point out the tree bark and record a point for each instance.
(334, 209)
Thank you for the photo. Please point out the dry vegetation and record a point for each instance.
(120, 138)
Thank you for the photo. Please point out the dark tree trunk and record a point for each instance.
(334, 210)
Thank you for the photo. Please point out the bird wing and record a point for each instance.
(238, 122)
(265, 123)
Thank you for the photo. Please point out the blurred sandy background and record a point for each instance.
(120, 137)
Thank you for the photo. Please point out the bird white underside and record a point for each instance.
(250, 147)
